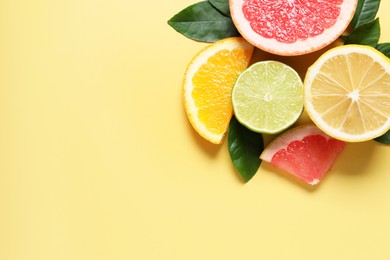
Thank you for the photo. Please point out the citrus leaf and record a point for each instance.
(245, 148)
(222, 6)
(366, 11)
(203, 22)
(384, 139)
(384, 48)
(367, 34)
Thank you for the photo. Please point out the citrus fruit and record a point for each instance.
(291, 27)
(347, 93)
(208, 84)
(268, 97)
(305, 152)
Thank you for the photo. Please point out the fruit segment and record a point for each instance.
(305, 152)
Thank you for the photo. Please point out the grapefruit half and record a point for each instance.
(305, 152)
(291, 27)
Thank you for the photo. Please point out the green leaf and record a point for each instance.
(367, 34)
(222, 6)
(245, 148)
(384, 48)
(203, 22)
(366, 11)
(384, 139)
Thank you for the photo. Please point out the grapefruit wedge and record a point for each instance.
(291, 27)
(305, 152)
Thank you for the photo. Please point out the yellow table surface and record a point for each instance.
(98, 160)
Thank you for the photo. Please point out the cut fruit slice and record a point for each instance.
(347, 93)
(208, 84)
(268, 97)
(305, 152)
(291, 27)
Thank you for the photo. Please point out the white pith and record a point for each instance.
(300, 47)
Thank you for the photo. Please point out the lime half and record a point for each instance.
(268, 97)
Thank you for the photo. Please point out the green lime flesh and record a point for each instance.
(268, 97)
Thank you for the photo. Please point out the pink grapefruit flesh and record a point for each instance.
(305, 152)
(291, 27)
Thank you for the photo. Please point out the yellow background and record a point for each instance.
(98, 160)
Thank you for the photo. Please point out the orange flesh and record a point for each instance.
(213, 84)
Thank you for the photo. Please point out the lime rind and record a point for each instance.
(268, 97)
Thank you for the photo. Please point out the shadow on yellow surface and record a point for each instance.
(201, 143)
(349, 165)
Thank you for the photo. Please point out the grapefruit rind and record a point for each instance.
(313, 71)
(300, 47)
(198, 60)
